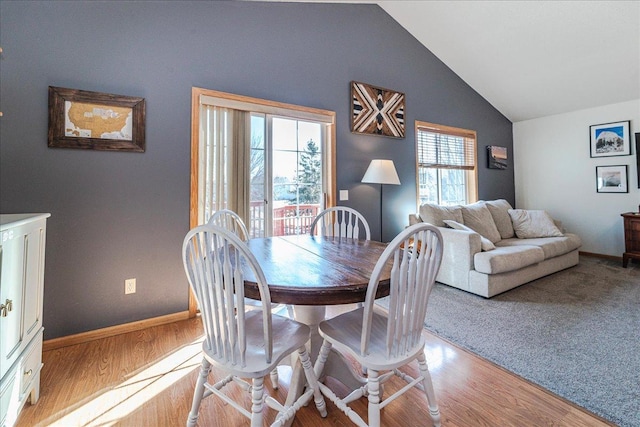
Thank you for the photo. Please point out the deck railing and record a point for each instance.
(287, 220)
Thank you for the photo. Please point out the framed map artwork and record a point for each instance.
(95, 121)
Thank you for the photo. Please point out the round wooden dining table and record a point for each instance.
(315, 270)
(311, 273)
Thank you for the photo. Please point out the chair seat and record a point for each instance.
(345, 332)
(288, 336)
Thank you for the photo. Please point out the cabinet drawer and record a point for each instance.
(31, 364)
(634, 226)
(21, 379)
(8, 393)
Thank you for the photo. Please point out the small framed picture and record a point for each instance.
(496, 157)
(612, 179)
(610, 139)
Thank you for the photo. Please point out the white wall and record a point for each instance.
(554, 171)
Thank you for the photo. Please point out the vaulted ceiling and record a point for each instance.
(531, 59)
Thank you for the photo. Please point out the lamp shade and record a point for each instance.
(381, 172)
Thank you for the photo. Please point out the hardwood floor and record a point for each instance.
(146, 378)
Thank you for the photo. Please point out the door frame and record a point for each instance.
(270, 107)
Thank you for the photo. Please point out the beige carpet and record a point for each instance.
(576, 333)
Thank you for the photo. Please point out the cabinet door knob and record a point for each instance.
(29, 372)
(9, 304)
(3, 310)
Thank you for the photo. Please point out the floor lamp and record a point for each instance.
(381, 172)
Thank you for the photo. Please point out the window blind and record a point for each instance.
(445, 148)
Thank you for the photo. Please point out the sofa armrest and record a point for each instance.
(459, 249)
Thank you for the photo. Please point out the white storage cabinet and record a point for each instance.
(22, 249)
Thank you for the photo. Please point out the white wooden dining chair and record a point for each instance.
(340, 221)
(383, 342)
(226, 218)
(242, 344)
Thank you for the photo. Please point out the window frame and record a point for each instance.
(471, 174)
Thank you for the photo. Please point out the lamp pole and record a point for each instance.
(381, 185)
(381, 172)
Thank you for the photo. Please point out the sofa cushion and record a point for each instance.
(486, 244)
(436, 214)
(477, 217)
(500, 212)
(551, 246)
(507, 258)
(533, 223)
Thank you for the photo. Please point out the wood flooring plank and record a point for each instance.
(146, 378)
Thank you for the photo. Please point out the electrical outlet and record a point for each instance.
(130, 286)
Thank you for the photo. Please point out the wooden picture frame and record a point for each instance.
(377, 111)
(610, 139)
(612, 179)
(95, 120)
(638, 157)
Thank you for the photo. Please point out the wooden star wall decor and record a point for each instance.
(376, 111)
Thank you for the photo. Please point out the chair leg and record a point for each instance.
(274, 378)
(373, 388)
(322, 358)
(257, 402)
(312, 380)
(434, 411)
(198, 392)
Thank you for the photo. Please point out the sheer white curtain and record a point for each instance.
(225, 143)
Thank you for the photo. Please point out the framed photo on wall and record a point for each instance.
(612, 179)
(610, 139)
(496, 157)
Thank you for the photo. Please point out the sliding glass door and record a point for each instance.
(271, 163)
(287, 168)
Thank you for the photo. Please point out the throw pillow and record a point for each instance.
(500, 212)
(477, 217)
(436, 214)
(485, 243)
(529, 224)
(558, 224)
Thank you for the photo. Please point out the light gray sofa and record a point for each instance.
(494, 248)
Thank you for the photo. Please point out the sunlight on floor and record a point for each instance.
(437, 355)
(112, 405)
(115, 404)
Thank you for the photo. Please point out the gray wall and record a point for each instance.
(117, 215)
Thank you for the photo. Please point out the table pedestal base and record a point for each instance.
(337, 366)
